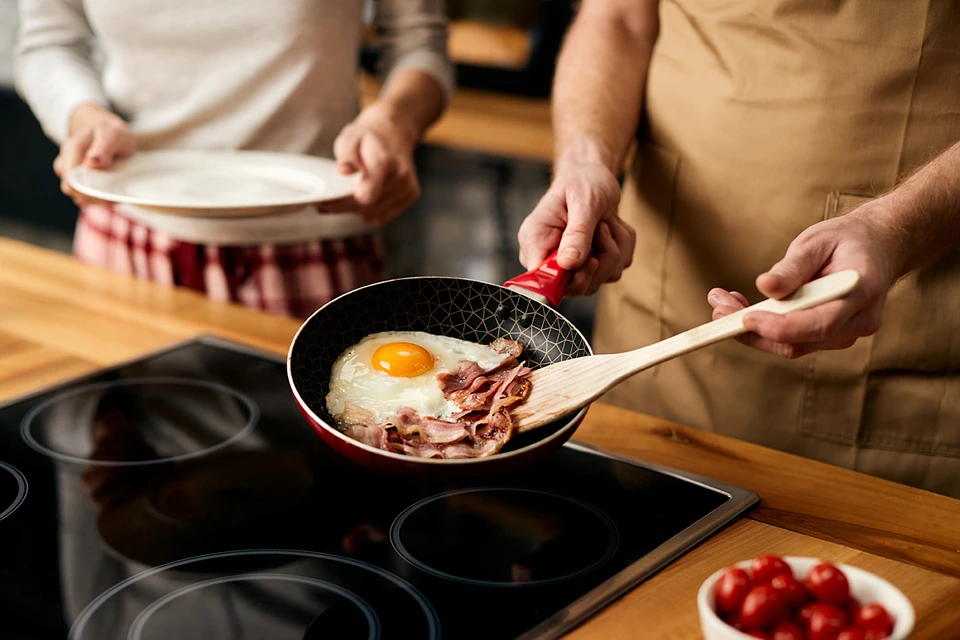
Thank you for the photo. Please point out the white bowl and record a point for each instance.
(864, 586)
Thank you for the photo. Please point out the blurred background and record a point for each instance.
(482, 168)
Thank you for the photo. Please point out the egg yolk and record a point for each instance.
(402, 359)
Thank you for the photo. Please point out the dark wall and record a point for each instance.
(29, 190)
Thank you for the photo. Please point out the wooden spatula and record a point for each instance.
(567, 386)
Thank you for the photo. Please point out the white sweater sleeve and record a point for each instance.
(413, 35)
(54, 69)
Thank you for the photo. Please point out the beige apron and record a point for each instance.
(762, 118)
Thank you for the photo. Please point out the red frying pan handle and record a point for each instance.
(545, 283)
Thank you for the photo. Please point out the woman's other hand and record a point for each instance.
(379, 146)
(97, 139)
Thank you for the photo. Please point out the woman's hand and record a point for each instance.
(97, 138)
(379, 145)
(861, 241)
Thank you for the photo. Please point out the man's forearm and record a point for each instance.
(414, 100)
(601, 72)
(924, 211)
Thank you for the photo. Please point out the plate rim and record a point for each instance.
(302, 163)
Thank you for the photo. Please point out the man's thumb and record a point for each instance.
(797, 267)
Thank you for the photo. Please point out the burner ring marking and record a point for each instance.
(22, 487)
(373, 622)
(614, 542)
(26, 424)
(433, 624)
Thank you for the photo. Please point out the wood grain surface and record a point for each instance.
(487, 122)
(59, 319)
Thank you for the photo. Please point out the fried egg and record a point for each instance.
(393, 369)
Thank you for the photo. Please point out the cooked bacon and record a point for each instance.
(479, 450)
(420, 449)
(482, 427)
(470, 373)
(374, 435)
(408, 423)
(501, 383)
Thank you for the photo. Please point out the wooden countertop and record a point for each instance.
(487, 122)
(59, 319)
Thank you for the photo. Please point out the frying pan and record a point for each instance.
(522, 309)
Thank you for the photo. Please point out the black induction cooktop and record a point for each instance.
(182, 496)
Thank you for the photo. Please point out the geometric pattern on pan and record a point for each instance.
(460, 308)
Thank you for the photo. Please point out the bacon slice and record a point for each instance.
(431, 430)
(467, 378)
(482, 427)
(372, 434)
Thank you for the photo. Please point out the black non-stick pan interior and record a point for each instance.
(466, 309)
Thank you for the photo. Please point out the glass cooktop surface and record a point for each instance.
(183, 496)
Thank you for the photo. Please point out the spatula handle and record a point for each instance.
(812, 294)
(825, 289)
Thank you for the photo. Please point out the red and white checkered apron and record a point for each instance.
(284, 279)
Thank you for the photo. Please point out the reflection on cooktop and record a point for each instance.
(504, 536)
(304, 594)
(13, 489)
(198, 506)
(183, 496)
(145, 421)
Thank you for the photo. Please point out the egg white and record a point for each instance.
(354, 380)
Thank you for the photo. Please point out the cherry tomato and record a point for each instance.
(758, 633)
(731, 589)
(826, 621)
(874, 617)
(765, 567)
(734, 620)
(805, 613)
(762, 606)
(852, 606)
(786, 630)
(858, 633)
(790, 589)
(827, 583)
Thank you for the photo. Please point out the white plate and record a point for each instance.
(215, 183)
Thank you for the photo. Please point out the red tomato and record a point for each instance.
(734, 621)
(765, 567)
(731, 589)
(852, 606)
(874, 617)
(805, 613)
(858, 633)
(762, 606)
(786, 630)
(827, 583)
(826, 621)
(758, 633)
(790, 589)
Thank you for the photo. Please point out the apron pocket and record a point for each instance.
(912, 411)
(913, 386)
(835, 382)
(892, 391)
